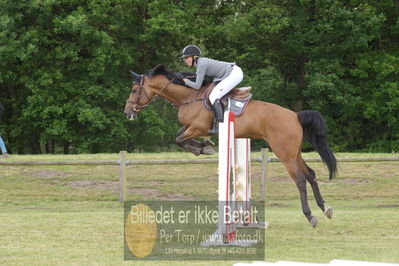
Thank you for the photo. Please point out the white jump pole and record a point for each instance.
(243, 173)
(244, 183)
(227, 177)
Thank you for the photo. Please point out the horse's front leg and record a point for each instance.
(185, 139)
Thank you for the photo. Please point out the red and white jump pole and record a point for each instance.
(234, 191)
(227, 177)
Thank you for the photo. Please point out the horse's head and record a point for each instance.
(146, 88)
(140, 96)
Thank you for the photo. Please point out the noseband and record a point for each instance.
(136, 100)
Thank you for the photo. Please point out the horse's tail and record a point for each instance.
(315, 132)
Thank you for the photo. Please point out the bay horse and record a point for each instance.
(282, 128)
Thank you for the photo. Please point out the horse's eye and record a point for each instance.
(134, 91)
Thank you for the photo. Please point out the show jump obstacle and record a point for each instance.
(234, 193)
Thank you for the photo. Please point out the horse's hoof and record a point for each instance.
(313, 222)
(328, 212)
(208, 150)
(209, 142)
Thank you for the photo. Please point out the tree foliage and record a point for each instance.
(64, 78)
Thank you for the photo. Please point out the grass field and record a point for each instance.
(56, 215)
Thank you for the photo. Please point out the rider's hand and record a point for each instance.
(179, 75)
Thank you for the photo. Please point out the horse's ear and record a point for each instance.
(134, 74)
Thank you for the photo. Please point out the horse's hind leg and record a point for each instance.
(286, 145)
(300, 180)
(311, 177)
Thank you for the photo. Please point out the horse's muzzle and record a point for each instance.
(130, 115)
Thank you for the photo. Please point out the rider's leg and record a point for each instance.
(226, 85)
(218, 110)
(219, 91)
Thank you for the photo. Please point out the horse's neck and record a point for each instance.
(177, 94)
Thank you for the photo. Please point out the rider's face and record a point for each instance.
(188, 60)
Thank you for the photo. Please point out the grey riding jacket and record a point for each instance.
(218, 70)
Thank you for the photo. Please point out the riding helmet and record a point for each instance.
(191, 50)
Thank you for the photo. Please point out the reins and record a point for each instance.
(193, 100)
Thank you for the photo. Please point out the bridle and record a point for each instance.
(136, 100)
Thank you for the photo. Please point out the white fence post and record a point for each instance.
(122, 176)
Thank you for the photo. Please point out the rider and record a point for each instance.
(2, 146)
(227, 74)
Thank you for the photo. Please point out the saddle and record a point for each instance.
(235, 101)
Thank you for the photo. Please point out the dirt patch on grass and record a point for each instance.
(388, 206)
(82, 183)
(155, 183)
(213, 178)
(176, 196)
(108, 185)
(155, 193)
(388, 166)
(146, 193)
(356, 181)
(104, 185)
(277, 205)
(50, 174)
(279, 179)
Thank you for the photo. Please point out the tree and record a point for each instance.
(309, 54)
(64, 66)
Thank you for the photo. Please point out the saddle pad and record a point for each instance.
(237, 106)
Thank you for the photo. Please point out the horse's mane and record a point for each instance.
(162, 70)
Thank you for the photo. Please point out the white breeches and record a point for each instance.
(227, 84)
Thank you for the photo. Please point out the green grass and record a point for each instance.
(56, 215)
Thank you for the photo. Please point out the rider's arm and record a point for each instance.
(201, 69)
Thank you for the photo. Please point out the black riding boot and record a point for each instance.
(218, 112)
